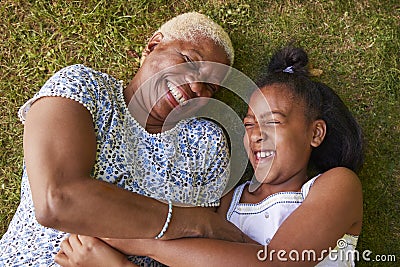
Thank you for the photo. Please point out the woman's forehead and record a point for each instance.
(205, 47)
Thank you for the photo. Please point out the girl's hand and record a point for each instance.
(78, 250)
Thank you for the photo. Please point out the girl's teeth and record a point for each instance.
(264, 154)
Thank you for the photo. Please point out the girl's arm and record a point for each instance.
(60, 152)
(332, 208)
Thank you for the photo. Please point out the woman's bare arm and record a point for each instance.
(60, 151)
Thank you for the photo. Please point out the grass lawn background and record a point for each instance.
(355, 43)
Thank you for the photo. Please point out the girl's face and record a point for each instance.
(278, 139)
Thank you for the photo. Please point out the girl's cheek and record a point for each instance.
(246, 142)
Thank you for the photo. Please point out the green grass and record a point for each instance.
(356, 44)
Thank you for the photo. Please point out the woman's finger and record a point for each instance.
(89, 242)
(74, 241)
(65, 246)
(61, 258)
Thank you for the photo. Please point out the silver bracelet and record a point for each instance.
(165, 227)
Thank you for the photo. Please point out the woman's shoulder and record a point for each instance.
(79, 83)
(80, 68)
(82, 74)
(76, 70)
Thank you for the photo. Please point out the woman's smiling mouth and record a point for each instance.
(178, 96)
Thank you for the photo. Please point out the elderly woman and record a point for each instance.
(87, 139)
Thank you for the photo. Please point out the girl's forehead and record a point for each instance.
(273, 98)
(276, 88)
(272, 94)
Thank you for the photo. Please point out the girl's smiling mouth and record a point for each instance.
(263, 155)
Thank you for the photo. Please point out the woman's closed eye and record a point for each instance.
(189, 60)
(213, 87)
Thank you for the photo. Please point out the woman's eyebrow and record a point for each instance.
(197, 53)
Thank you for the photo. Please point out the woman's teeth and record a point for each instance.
(176, 94)
(264, 154)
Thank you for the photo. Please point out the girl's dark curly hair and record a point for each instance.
(343, 143)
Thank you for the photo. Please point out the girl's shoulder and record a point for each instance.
(340, 183)
(338, 191)
(338, 175)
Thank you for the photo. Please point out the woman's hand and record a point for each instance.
(78, 250)
(217, 227)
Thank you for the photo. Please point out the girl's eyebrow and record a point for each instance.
(265, 115)
(248, 116)
(271, 113)
(278, 112)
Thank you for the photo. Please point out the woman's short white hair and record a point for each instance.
(190, 26)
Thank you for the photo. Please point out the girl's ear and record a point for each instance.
(319, 132)
(153, 42)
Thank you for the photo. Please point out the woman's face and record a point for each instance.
(277, 140)
(177, 72)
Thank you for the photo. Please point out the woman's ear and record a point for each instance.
(319, 132)
(153, 42)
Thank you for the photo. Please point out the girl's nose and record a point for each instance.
(257, 134)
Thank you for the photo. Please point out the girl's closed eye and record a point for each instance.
(270, 121)
(247, 122)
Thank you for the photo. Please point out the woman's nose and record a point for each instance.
(201, 89)
(198, 87)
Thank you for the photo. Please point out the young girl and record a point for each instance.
(295, 218)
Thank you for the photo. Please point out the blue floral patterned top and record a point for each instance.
(187, 164)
